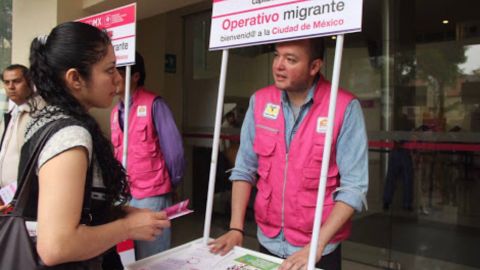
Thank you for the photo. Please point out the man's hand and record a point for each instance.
(226, 242)
(299, 259)
(340, 214)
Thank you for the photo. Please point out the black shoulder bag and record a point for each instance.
(17, 249)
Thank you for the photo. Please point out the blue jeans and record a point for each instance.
(400, 165)
(145, 249)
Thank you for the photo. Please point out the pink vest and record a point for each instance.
(146, 168)
(295, 175)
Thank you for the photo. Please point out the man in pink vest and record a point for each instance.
(155, 151)
(281, 148)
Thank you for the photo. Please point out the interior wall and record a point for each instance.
(173, 87)
(29, 20)
(160, 35)
(242, 81)
(151, 44)
(70, 11)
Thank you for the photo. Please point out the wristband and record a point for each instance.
(238, 230)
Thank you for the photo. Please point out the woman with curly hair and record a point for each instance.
(73, 69)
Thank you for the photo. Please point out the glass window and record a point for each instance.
(418, 79)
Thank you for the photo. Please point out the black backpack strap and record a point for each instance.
(86, 217)
(25, 201)
(27, 166)
(6, 120)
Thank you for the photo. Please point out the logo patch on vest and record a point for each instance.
(142, 111)
(322, 124)
(271, 111)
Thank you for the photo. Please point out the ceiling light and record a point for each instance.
(445, 21)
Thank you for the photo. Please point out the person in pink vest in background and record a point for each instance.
(281, 151)
(155, 164)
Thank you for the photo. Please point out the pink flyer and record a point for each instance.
(178, 210)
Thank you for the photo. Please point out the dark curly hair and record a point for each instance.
(79, 46)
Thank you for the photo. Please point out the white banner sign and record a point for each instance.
(240, 23)
(120, 25)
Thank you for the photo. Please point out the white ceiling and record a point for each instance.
(145, 8)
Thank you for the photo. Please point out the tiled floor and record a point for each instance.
(364, 257)
(411, 235)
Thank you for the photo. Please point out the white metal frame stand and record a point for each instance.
(126, 114)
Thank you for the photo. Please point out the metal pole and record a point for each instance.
(386, 75)
(326, 153)
(126, 115)
(387, 112)
(216, 141)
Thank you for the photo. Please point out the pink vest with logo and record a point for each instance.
(288, 182)
(146, 168)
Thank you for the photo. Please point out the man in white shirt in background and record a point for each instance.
(18, 89)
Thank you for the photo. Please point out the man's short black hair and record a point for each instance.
(24, 69)
(138, 67)
(317, 48)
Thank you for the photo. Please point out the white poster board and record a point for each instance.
(195, 256)
(239, 23)
(120, 24)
